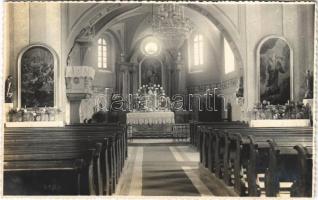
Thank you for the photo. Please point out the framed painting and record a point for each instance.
(275, 71)
(36, 78)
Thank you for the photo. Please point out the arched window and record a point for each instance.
(198, 50)
(229, 59)
(102, 53)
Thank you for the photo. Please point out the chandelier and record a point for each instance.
(169, 23)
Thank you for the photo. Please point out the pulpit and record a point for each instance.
(78, 86)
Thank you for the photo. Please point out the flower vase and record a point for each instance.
(15, 117)
(25, 117)
(51, 117)
(262, 115)
(19, 118)
(44, 117)
(10, 117)
(38, 118)
(268, 114)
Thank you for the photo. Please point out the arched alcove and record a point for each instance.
(274, 73)
(38, 77)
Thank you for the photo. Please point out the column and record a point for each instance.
(170, 81)
(180, 74)
(134, 78)
(177, 80)
(124, 70)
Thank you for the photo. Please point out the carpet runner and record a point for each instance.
(162, 175)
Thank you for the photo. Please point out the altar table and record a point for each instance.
(141, 118)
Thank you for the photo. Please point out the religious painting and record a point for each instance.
(37, 78)
(275, 71)
(151, 71)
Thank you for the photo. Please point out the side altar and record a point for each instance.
(151, 115)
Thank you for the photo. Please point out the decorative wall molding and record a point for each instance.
(223, 85)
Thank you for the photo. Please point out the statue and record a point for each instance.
(240, 89)
(9, 89)
(309, 85)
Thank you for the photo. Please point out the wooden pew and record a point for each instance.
(257, 154)
(117, 151)
(302, 187)
(194, 129)
(240, 154)
(232, 151)
(62, 134)
(79, 159)
(287, 157)
(47, 148)
(202, 144)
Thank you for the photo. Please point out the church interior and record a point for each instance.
(158, 99)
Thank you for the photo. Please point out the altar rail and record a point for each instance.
(179, 132)
(75, 159)
(240, 155)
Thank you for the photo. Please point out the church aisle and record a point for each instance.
(167, 169)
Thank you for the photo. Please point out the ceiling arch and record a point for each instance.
(105, 14)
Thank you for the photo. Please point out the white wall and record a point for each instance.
(295, 24)
(35, 23)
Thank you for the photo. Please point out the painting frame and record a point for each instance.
(258, 66)
(56, 72)
(161, 65)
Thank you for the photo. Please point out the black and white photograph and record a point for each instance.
(158, 99)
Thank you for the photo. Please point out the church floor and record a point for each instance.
(164, 168)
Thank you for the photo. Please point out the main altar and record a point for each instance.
(151, 115)
(150, 118)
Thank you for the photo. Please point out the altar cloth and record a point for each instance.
(150, 118)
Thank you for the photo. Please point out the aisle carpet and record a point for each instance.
(162, 175)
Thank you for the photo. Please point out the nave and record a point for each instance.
(162, 167)
(209, 159)
(146, 99)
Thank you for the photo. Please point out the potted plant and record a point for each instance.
(52, 113)
(44, 115)
(25, 114)
(18, 116)
(12, 115)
